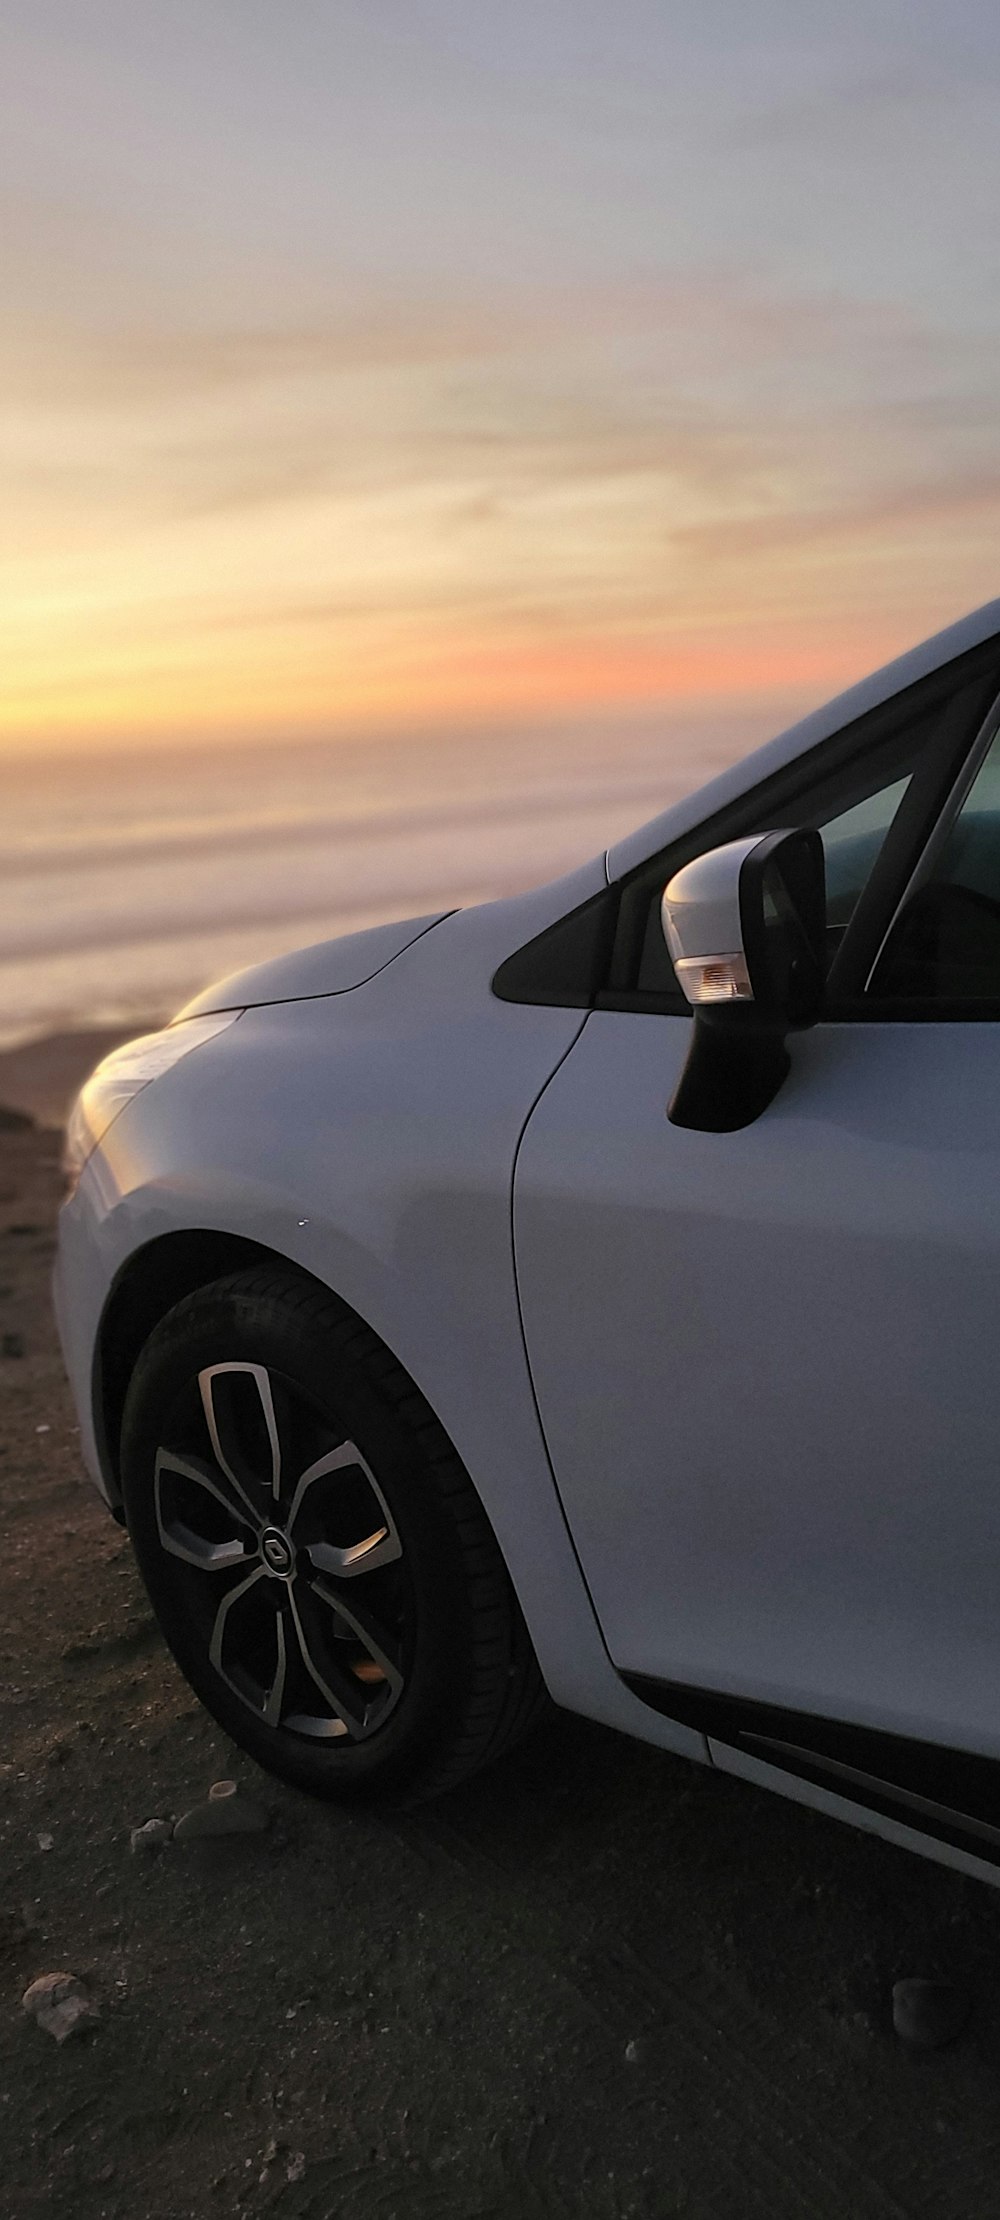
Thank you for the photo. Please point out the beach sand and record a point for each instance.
(597, 1981)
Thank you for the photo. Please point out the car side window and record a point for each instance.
(944, 947)
(852, 842)
(871, 790)
(867, 797)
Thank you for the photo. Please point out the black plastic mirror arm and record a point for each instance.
(730, 1076)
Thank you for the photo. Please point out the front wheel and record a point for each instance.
(316, 1556)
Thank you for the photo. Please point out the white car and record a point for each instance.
(452, 1316)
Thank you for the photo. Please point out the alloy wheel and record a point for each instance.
(285, 1553)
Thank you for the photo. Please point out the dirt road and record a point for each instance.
(597, 1982)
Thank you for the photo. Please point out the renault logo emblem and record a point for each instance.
(276, 1551)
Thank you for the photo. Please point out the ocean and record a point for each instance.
(129, 881)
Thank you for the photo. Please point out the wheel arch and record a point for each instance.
(563, 1629)
(148, 1285)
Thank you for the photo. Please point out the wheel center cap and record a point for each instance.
(276, 1551)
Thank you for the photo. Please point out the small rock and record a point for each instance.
(153, 1835)
(60, 2004)
(46, 1842)
(296, 2166)
(224, 1812)
(634, 2053)
(43, 1429)
(928, 2014)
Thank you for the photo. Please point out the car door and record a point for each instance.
(766, 1361)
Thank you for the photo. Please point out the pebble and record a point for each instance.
(928, 2014)
(60, 2004)
(224, 1812)
(154, 1834)
(46, 1842)
(634, 2053)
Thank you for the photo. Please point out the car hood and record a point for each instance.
(328, 967)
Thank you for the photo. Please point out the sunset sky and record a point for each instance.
(377, 362)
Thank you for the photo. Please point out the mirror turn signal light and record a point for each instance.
(714, 978)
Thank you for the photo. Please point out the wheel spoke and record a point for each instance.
(377, 1549)
(362, 1623)
(346, 1718)
(225, 1389)
(380, 1547)
(242, 1671)
(228, 1604)
(210, 1553)
(272, 1708)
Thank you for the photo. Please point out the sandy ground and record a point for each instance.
(595, 1982)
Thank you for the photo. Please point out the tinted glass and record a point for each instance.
(945, 947)
(851, 843)
(874, 787)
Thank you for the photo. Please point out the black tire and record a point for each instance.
(424, 1659)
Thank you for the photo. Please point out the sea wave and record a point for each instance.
(125, 885)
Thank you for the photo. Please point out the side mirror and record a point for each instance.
(746, 929)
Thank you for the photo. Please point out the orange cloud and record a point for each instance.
(626, 495)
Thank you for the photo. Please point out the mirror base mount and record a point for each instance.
(732, 1072)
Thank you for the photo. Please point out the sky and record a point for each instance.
(369, 364)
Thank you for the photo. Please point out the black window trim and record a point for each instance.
(937, 833)
(589, 959)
